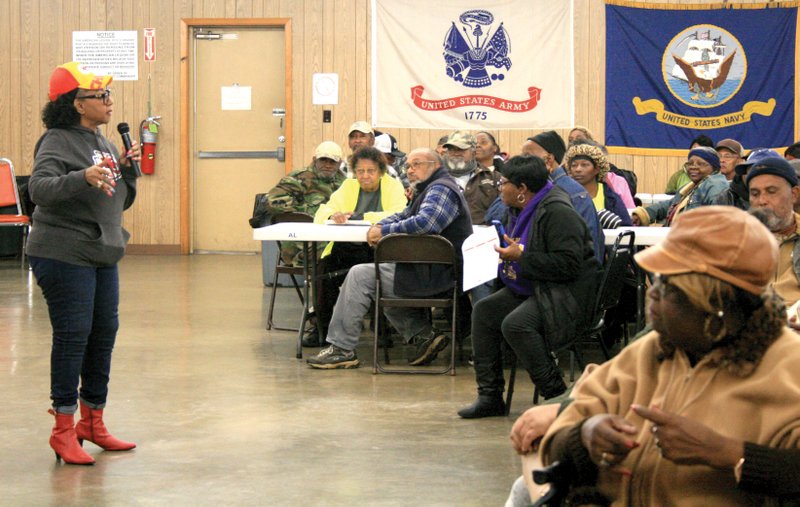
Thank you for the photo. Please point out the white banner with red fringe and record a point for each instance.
(472, 65)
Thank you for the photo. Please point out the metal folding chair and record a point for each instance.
(608, 295)
(283, 268)
(9, 196)
(415, 249)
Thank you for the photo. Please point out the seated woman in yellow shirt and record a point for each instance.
(372, 195)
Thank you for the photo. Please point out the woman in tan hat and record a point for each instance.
(81, 186)
(683, 414)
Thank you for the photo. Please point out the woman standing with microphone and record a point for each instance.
(80, 187)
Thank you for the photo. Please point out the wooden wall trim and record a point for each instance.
(153, 250)
(184, 140)
(185, 145)
(289, 119)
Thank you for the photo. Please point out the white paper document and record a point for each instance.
(236, 98)
(480, 257)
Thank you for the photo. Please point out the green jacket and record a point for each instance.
(304, 191)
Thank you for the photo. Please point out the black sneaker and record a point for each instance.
(311, 338)
(428, 349)
(333, 357)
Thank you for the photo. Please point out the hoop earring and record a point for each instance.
(719, 335)
(520, 198)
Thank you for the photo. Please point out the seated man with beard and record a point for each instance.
(478, 182)
(772, 184)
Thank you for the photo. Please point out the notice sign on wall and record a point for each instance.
(108, 53)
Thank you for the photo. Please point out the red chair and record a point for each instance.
(9, 196)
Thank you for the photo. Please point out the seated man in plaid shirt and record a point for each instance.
(438, 207)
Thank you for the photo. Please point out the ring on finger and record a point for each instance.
(99, 183)
(654, 429)
(604, 460)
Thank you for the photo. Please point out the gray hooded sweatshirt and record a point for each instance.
(73, 221)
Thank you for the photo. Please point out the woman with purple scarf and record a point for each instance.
(548, 275)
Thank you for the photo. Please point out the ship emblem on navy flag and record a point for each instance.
(470, 50)
(704, 66)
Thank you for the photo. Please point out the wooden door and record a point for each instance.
(238, 131)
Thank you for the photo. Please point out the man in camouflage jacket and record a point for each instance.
(304, 190)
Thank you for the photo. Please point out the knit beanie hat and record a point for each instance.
(553, 144)
(710, 155)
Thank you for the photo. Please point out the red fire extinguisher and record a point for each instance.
(148, 130)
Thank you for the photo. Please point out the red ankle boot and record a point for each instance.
(91, 428)
(65, 443)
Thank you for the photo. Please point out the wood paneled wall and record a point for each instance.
(328, 36)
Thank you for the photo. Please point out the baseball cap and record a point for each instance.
(461, 139)
(361, 126)
(330, 150)
(731, 144)
(386, 143)
(72, 75)
(723, 242)
(755, 156)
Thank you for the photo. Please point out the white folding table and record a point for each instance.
(313, 234)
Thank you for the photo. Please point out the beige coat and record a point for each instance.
(763, 408)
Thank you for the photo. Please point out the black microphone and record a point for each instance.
(124, 131)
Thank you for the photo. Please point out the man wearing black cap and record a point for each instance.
(551, 148)
(387, 144)
(772, 183)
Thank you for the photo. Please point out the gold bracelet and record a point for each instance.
(737, 470)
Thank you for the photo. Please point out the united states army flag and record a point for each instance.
(472, 65)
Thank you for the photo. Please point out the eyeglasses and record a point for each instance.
(729, 156)
(500, 183)
(418, 164)
(104, 96)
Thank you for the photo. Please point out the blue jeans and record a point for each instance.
(83, 305)
(356, 295)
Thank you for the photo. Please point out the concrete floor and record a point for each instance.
(223, 413)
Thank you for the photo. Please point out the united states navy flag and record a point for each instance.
(673, 74)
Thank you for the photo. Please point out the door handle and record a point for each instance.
(279, 154)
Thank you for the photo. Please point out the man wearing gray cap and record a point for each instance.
(731, 157)
(772, 183)
(304, 190)
(731, 154)
(478, 182)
